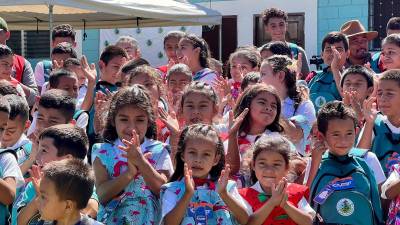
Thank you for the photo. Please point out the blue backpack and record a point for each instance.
(386, 145)
(47, 67)
(345, 191)
(294, 49)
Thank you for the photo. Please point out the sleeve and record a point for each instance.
(393, 177)
(10, 168)
(307, 110)
(28, 79)
(234, 193)
(82, 120)
(24, 198)
(361, 133)
(39, 74)
(305, 207)
(209, 79)
(373, 163)
(305, 69)
(168, 202)
(164, 162)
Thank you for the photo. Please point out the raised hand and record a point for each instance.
(223, 179)
(350, 99)
(170, 120)
(234, 123)
(132, 148)
(278, 192)
(336, 59)
(36, 176)
(189, 183)
(370, 110)
(88, 70)
(222, 85)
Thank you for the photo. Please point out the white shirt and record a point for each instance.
(9, 168)
(39, 74)
(392, 128)
(302, 204)
(393, 177)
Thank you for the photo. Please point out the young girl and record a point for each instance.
(391, 190)
(391, 52)
(128, 186)
(264, 109)
(178, 78)
(275, 48)
(298, 114)
(199, 191)
(193, 51)
(272, 198)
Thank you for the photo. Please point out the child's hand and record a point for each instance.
(36, 177)
(132, 170)
(89, 71)
(299, 64)
(56, 66)
(235, 123)
(170, 120)
(318, 146)
(336, 59)
(223, 179)
(278, 192)
(132, 148)
(370, 110)
(189, 183)
(350, 99)
(222, 85)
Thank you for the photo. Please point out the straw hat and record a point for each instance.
(354, 27)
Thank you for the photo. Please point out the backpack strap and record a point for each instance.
(10, 151)
(294, 49)
(78, 113)
(47, 67)
(358, 152)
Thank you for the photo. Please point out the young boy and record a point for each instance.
(392, 27)
(130, 45)
(14, 137)
(59, 54)
(6, 66)
(54, 107)
(275, 24)
(60, 33)
(66, 187)
(58, 142)
(74, 65)
(343, 187)
(10, 174)
(323, 85)
(381, 132)
(171, 41)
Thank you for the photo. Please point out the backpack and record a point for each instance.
(47, 67)
(386, 145)
(345, 191)
(294, 49)
(5, 210)
(13, 152)
(18, 64)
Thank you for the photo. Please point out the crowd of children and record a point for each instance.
(265, 141)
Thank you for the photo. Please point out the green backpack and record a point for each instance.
(345, 191)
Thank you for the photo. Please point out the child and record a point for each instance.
(357, 84)
(59, 54)
(343, 187)
(390, 54)
(14, 137)
(130, 66)
(198, 104)
(381, 130)
(171, 41)
(264, 109)
(217, 66)
(392, 27)
(298, 114)
(391, 190)
(54, 107)
(323, 85)
(60, 33)
(275, 24)
(272, 198)
(130, 45)
(6, 62)
(75, 65)
(241, 62)
(55, 143)
(178, 78)
(193, 51)
(249, 79)
(275, 48)
(6, 88)
(10, 174)
(128, 185)
(193, 195)
(64, 190)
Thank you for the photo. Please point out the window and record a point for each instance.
(294, 33)
(35, 44)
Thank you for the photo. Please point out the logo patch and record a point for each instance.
(320, 101)
(345, 207)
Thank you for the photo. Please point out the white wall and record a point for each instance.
(245, 9)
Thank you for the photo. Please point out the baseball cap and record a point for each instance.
(3, 25)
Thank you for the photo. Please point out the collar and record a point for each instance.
(392, 128)
(21, 141)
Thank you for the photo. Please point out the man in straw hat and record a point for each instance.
(358, 42)
(22, 69)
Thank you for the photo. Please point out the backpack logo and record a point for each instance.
(320, 101)
(345, 207)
